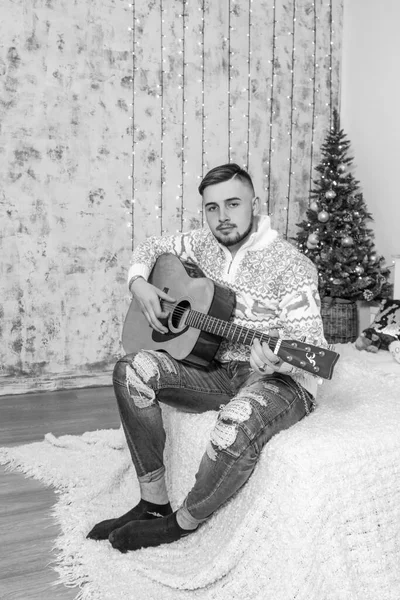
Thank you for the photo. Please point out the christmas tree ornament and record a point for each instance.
(323, 216)
(347, 217)
(372, 258)
(336, 281)
(330, 194)
(359, 270)
(313, 239)
(368, 295)
(314, 206)
(341, 168)
(347, 241)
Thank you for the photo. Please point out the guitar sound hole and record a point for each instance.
(178, 314)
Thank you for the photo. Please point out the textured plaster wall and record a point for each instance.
(65, 149)
(109, 116)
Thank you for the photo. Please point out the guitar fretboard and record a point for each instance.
(235, 333)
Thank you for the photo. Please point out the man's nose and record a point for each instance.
(223, 216)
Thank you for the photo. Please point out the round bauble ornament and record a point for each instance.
(356, 213)
(372, 258)
(359, 270)
(330, 194)
(347, 241)
(314, 206)
(341, 167)
(336, 281)
(313, 239)
(323, 216)
(368, 295)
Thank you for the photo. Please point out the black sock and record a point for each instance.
(142, 534)
(143, 511)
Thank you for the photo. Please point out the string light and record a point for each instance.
(133, 125)
(290, 159)
(203, 118)
(271, 110)
(330, 60)
(248, 86)
(229, 82)
(313, 79)
(162, 117)
(183, 111)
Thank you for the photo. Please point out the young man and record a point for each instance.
(257, 394)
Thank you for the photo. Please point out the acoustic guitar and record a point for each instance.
(201, 317)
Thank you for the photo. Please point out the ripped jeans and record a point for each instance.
(252, 408)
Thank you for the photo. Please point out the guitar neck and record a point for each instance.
(315, 360)
(224, 329)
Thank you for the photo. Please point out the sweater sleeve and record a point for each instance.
(145, 255)
(300, 303)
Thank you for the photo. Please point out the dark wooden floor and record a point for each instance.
(27, 530)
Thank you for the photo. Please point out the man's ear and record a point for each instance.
(256, 205)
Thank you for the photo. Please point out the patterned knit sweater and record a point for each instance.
(275, 285)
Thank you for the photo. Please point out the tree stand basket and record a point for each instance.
(340, 320)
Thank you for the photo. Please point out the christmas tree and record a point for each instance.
(335, 234)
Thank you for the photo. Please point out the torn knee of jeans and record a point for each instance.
(211, 452)
(258, 397)
(142, 395)
(237, 410)
(138, 375)
(226, 429)
(223, 435)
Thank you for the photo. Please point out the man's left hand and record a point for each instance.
(264, 361)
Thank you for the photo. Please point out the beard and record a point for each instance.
(236, 238)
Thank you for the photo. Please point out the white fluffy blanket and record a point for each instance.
(318, 520)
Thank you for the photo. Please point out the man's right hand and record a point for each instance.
(148, 296)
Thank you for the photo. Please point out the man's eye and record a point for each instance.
(210, 208)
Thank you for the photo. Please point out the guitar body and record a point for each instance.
(194, 292)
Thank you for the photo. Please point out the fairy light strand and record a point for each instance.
(183, 109)
(229, 81)
(271, 112)
(132, 175)
(248, 87)
(330, 60)
(314, 78)
(162, 166)
(203, 118)
(290, 159)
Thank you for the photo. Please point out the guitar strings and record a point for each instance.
(180, 311)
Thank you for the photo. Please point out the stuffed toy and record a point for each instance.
(384, 332)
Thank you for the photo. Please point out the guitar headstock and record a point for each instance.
(315, 360)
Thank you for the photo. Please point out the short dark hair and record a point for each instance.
(225, 173)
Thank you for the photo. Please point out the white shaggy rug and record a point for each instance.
(318, 520)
